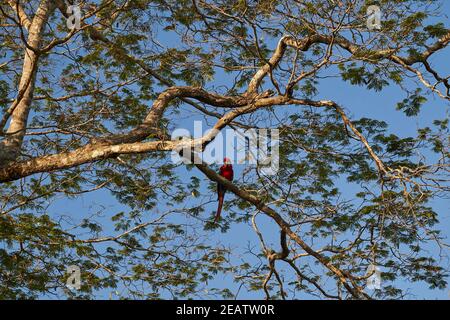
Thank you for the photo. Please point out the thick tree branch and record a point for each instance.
(89, 153)
(11, 145)
(130, 142)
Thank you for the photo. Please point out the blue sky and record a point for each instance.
(360, 103)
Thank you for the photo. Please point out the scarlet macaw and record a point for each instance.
(226, 171)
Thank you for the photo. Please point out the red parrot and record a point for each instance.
(226, 171)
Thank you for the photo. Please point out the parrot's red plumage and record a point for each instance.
(226, 171)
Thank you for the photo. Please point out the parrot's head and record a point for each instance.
(226, 161)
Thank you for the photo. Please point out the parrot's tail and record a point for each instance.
(219, 207)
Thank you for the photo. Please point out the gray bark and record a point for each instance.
(10, 147)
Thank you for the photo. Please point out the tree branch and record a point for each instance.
(11, 145)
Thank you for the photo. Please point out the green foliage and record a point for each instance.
(412, 104)
(372, 79)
